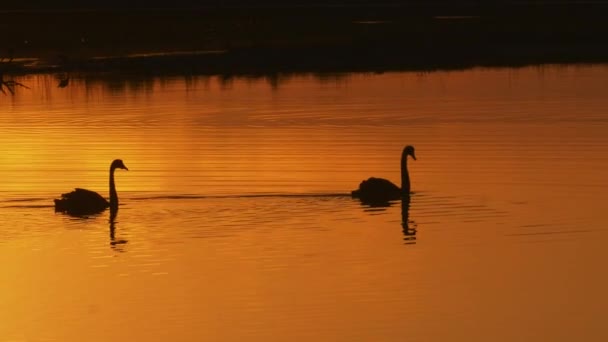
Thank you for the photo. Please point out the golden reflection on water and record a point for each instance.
(235, 219)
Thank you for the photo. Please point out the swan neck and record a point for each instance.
(113, 194)
(405, 177)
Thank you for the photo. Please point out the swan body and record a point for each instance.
(376, 190)
(379, 190)
(86, 202)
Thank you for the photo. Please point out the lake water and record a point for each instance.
(236, 222)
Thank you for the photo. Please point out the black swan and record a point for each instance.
(380, 190)
(84, 202)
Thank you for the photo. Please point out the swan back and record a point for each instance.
(81, 202)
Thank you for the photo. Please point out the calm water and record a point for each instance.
(235, 221)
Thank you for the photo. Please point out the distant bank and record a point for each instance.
(193, 4)
(302, 37)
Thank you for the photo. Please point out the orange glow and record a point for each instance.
(508, 207)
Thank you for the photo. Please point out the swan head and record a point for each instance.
(118, 164)
(409, 150)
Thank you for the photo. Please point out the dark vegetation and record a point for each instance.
(231, 39)
(194, 4)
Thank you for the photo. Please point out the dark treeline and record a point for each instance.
(239, 38)
(151, 4)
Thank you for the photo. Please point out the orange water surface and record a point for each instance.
(236, 221)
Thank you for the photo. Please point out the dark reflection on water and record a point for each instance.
(409, 227)
(145, 83)
(115, 243)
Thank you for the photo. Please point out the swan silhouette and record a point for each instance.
(85, 202)
(379, 190)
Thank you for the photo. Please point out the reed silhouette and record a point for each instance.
(64, 81)
(65, 65)
(379, 191)
(10, 85)
(82, 202)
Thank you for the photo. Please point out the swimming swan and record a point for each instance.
(84, 202)
(379, 190)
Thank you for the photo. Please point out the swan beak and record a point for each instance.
(413, 156)
(124, 167)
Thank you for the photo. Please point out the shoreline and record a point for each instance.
(302, 39)
(319, 60)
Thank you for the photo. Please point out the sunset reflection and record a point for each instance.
(237, 208)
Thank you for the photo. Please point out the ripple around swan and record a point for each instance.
(260, 195)
(228, 215)
(176, 218)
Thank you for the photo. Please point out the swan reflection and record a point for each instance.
(409, 228)
(115, 243)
